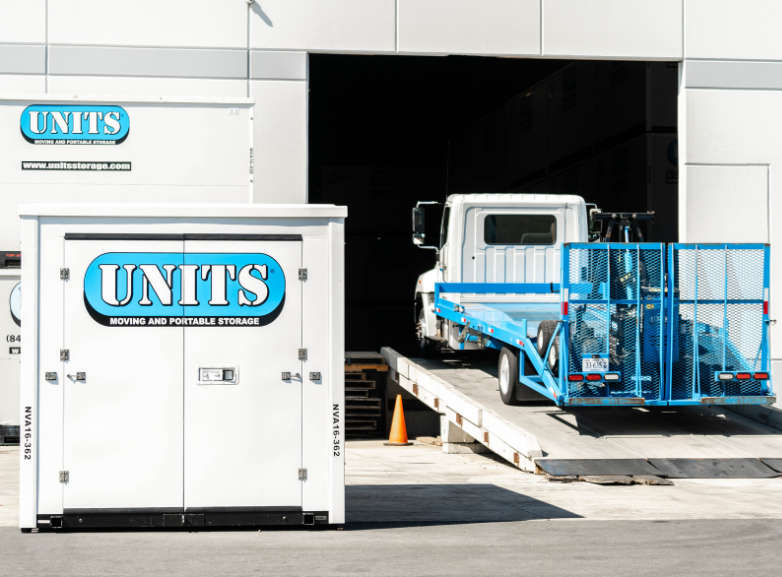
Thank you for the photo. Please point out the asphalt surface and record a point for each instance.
(571, 548)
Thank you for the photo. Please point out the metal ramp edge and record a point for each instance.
(514, 444)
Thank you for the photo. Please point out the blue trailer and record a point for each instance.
(636, 324)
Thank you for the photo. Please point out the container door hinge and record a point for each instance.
(302, 474)
(302, 274)
(65, 354)
(302, 354)
(63, 476)
(65, 274)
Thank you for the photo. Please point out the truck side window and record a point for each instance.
(444, 226)
(520, 229)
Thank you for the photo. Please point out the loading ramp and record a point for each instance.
(673, 441)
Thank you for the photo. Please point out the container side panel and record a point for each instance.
(28, 456)
(319, 443)
(337, 365)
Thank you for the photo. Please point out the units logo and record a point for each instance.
(75, 124)
(175, 289)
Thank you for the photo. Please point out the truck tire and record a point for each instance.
(545, 332)
(553, 357)
(508, 375)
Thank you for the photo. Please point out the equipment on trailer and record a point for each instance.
(629, 323)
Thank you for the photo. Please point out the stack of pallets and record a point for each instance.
(365, 386)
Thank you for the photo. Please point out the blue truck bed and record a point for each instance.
(641, 324)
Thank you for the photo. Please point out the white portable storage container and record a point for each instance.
(76, 148)
(184, 367)
(66, 149)
(10, 353)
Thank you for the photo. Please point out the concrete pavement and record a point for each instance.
(417, 511)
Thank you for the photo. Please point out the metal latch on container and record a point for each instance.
(50, 376)
(302, 274)
(65, 354)
(302, 474)
(63, 476)
(314, 376)
(65, 274)
(302, 354)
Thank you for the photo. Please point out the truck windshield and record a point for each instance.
(520, 229)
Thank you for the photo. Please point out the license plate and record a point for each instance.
(594, 365)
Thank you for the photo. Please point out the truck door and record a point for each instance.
(122, 438)
(243, 375)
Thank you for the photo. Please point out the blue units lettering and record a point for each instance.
(75, 124)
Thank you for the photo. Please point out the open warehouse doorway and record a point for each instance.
(388, 131)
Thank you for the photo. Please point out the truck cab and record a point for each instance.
(495, 238)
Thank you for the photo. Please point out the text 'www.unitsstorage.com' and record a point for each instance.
(75, 165)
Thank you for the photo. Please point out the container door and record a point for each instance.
(123, 383)
(243, 375)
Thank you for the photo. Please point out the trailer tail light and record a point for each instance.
(575, 378)
(743, 376)
(564, 302)
(765, 301)
(593, 377)
(564, 309)
(761, 376)
(611, 377)
(725, 376)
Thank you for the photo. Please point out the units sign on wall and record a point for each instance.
(75, 124)
(192, 289)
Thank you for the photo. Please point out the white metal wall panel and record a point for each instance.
(117, 86)
(732, 127)
(735, 30)
(22, 84)
(280, 141)
(469, 26)
(613, 28)
(22, 59)
(195, 24)
(23, 21)
(727, 204)
(324, 25)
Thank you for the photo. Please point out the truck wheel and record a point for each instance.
(507, 373)
(545, 332)
(553, 358)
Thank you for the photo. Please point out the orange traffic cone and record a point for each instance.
(398, 436)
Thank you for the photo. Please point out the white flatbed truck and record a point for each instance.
(595, 323)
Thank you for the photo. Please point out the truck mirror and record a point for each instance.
(419, 222)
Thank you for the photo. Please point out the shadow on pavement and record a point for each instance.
(418, 504)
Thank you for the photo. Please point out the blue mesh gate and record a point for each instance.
(717, 322)
(615, 312)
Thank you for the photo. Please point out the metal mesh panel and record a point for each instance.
(716, 319)
(616, 303)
